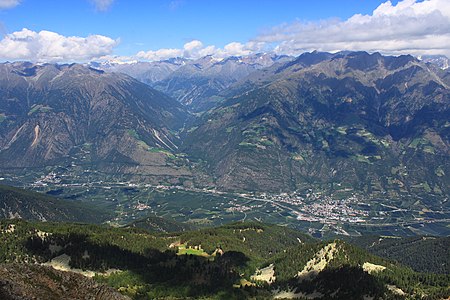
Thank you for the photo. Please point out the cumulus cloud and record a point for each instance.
(102, 5)
(196, 49)
(160, 54)
(409, 27)
(236, 49)
(191, 49)
(5, 4)
(49, 46)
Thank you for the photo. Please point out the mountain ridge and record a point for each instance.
(23, 204)
(251, 259)
(297, 107)
(75, 115)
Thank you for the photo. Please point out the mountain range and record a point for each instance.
(195, 83)
(349, 120)
(354, 120)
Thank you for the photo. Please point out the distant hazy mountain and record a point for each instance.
(147, 72)
(75, 115)
(350, 120)
(439, 60)
(198, 83)
(194, 83)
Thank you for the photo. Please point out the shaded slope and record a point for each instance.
(422, 254)
(18, 203)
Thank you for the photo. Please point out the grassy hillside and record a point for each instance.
(236, 261)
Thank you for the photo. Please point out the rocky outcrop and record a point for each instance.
(27, 282)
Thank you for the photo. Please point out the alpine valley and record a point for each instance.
(341, 143)
(260, 176)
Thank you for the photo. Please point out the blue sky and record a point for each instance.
(154, 24)
(147, 26)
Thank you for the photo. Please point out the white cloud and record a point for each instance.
(47, 46)
(193, 45)
(209, 50)
(102, 5)
(236, 49)
(5, 4)
(196, 49)
(160, 54)
(191, 49)
(409, 27)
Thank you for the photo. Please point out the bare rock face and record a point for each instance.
(27, 282)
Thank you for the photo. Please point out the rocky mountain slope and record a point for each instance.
(345, 121)
(198, 83)
(441, 61)
(72, 115)
(27, 282)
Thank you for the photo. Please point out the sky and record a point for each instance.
(127, 30)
